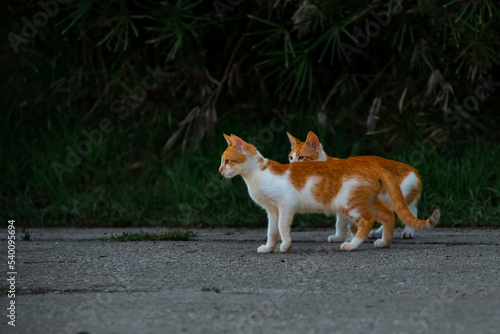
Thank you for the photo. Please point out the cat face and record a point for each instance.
(235, 158)
(310, 150)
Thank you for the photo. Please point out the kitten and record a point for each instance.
(337, 186)
(405, 176)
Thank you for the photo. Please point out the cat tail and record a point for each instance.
(401, 208)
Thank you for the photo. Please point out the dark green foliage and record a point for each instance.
(210, 288)
(417, 81)
(175, 235)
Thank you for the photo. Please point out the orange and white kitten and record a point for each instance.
(337, 186)
(405, 176)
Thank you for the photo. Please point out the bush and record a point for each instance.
(165, 75)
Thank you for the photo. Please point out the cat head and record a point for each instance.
(239, 157)
(310, 150)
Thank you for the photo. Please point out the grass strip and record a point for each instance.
(174, 235)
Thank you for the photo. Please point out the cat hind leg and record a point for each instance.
(376, 234)
(364, 222)
(284, 223)
(384, 214)
(353, 229)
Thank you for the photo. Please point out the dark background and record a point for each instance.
(88, 139)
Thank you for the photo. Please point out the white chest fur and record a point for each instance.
(268, 189)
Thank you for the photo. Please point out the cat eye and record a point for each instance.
(226, 161)
(301, 158)
(290, 157)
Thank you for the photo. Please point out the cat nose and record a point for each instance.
(220, 169)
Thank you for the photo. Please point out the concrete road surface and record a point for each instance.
(443, 281)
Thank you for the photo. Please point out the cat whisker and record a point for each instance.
(225, 181)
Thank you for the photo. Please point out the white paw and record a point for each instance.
(285, 247)
(264, 249)
(335, 238)
(380, 243)
(374, 234)
(347, 246)
(408, 234)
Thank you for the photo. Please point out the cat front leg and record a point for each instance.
(340, 229)
(409, 232)
(272, 231)
(285, 221)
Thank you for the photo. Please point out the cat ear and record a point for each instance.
(312, 141)
(242, 146)
(294, 141)
(238, 143)
(228, 139)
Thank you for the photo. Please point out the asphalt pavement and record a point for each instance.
(66, 281)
